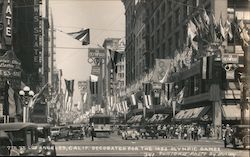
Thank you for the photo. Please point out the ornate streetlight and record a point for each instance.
(26, 94)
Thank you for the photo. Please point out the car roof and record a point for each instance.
(16, 126)
(3, 135)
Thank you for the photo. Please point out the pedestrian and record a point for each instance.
(92, 133)
(195, 132)
(208, 131)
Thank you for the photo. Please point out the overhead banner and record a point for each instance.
(96, 70)
(161, 68)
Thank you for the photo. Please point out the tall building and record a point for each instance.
(26, 43)
(135, 40)
(114, 81)
(207, 94)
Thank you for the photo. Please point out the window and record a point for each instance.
(152, 42)
(170, 24)
(157, 18)
(152, 25)
(158, 36)
(170, 46)
(169, 5)
(163, 10)
(163, 30)
(177, 17)
(177, 40)
(163, 49)
(158, 53)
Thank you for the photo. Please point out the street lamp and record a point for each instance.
(26, 94)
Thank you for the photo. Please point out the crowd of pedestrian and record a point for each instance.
(186, 131)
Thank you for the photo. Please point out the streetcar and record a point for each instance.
(102, 125)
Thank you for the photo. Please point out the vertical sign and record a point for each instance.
(7, 21)
(37, 33)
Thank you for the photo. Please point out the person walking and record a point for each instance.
(92, 133)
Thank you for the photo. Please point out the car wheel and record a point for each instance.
(137, 138)
(55, 139)
(67, 139)
(126, 138)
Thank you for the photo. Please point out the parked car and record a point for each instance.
(76, 132)
(130, 134)
(239, 137)
(150, 132)
(59, 132)
(23, 139)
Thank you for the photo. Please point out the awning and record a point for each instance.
(135, 119)
(157, 118)
(233, 112)
(191, 114)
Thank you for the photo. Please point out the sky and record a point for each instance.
(104, 18)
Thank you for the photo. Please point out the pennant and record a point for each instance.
(82, 36)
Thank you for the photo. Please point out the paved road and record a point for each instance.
(115, 146)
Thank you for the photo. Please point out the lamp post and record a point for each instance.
(26, 94)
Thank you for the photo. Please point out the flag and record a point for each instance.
(82, 35)
(192, 34)
(206, 17)
(133, 99)
(161, 67)
(243, 33)
(9, 107)
(222, 29)
(93, 84)
(180, 95)
(69, 86)
(37, 96)
(228, 30)
(115, 57)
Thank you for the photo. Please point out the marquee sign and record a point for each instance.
(37, 34)
(10, 69)
(96, 53)
(7, 21)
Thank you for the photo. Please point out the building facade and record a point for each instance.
(208, 98)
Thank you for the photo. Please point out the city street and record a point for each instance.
(115, 146)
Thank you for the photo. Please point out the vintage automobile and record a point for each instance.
(23, 139)
(150, 132)
(130, 134)
(76, 132)
(5, 143)
(239, 137)
(59, 132)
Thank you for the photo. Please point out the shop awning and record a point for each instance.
(157, 118)
(233, 112)
(135, 119)
(191, 114)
